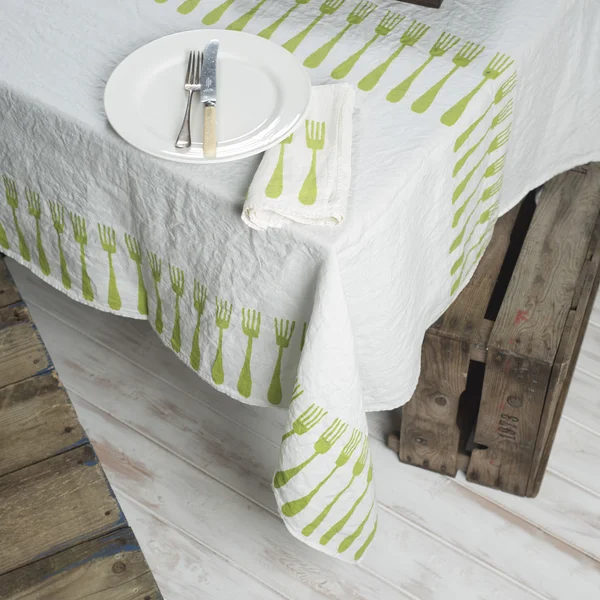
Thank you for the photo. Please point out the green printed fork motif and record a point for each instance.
(367, 543)
(485, 216)
(303, 338)
(58, 220)
(187, 7)
(12, 198)
(323, 445)
(275, 186)
(298, 391)
(328, 7)
(495, 68)
(348, 541)
(444, 43)
(495, 144)
(359, 13)
(80, 234)
(108, 239)
(267, 32)
(35, 210)
(326, 537)
(466, 55)
(481, 244)
(306, 421)
(222, 319)
(251, 329)
(292, 508)
(504, 114)
(156, 269)
(315, 140)
(216, 13)
(410, 37)
(199, 304)
(239, 24)
(487, 194)
(135, 254)
(506, 88)
(283, 335)
(388, 23)
(357, 469)
(177, 285)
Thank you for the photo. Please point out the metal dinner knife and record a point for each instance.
(208, 97)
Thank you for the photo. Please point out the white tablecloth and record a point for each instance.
(342, 311)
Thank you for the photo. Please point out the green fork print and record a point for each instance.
(12, 198)
(444, 43)
(35, 210)
(135, 254)
(466, 55)
(80, 234)
(495, 68)
(328, 7)
(214, 15)
(199, 304)
(495, 144)
(323, 445)
(108, 239)
(275, 186)
(156, 269)
(240, 23)
(222, 319)
(357, 469)
(58, 220)
(504, 114)
(326, 537)
(306, 421)
(349, 540)
(283, 335)
(251, 329)
(359, 13)
(488, 193)
(303, 338)
(267, 32)
(298, 391)
(366, 544)
(292, 508)
(315, 141)
(388, 23)
(177, 285)
(505, 89)
(186, 7)
(410, 37)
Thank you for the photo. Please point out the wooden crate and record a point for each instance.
(496, 366)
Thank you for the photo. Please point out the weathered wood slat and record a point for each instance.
(429, 431)
(9, 294)
(52, 505)
(37, 421)
(107, 568)
(22, 353)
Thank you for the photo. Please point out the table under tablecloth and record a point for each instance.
(460, 112)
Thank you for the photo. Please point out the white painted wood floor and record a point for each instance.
(192, 470)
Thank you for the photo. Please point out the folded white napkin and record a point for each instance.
(306, 178)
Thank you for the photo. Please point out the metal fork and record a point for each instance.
(192, 84)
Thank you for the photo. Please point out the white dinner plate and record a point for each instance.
(262, 93)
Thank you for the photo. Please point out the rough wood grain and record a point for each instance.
(22, 353)
(108, 568)
(430, 434)
(9, 294)
(52, 505)
(37, 421)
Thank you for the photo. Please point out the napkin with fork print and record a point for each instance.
(306, 178)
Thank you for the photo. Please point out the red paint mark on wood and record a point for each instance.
(522, 316)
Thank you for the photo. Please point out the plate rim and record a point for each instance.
(201, 160)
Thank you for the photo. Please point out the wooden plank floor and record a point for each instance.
(192, 470)
(63, 535)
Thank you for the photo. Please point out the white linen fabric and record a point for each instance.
(327, 321)
(306, 178)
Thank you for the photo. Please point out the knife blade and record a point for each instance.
(208, 97)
